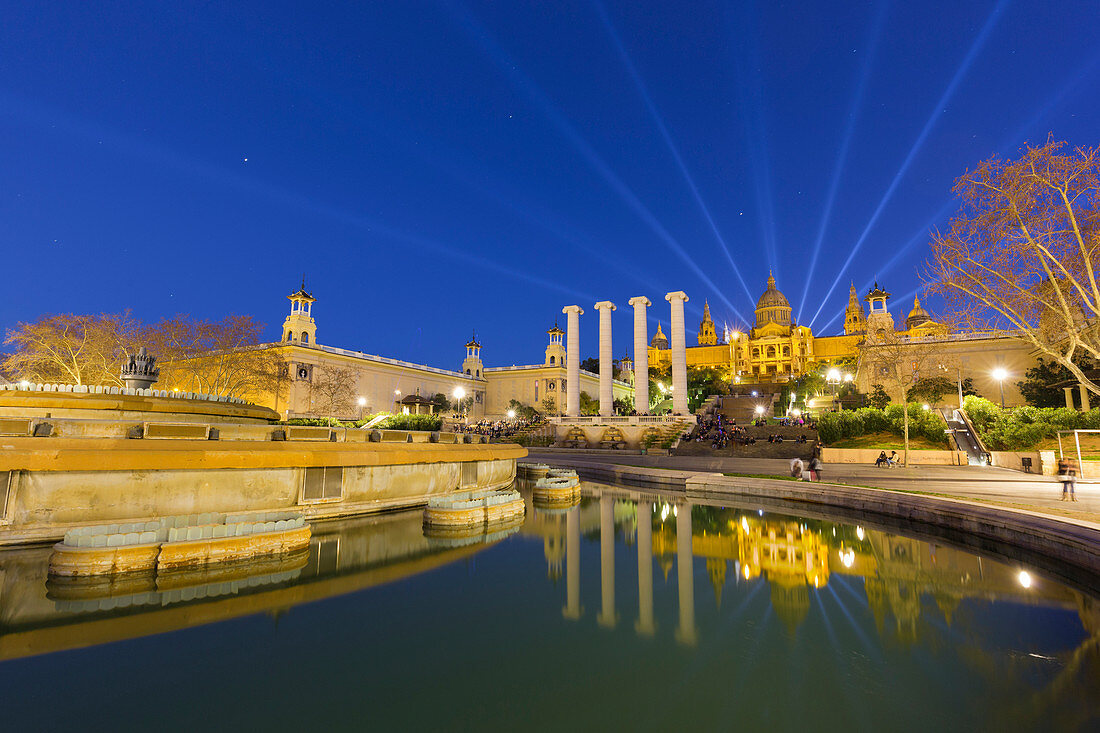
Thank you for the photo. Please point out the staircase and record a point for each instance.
(763, 449)
(965, 436)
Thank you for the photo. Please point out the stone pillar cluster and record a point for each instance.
(641, 354)
(605, 307)
(678, 345)
(573, 360)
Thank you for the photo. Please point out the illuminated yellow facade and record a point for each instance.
(776, 349)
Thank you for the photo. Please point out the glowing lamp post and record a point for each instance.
(511, 414)
(458, 394)
(362, 403)
(1000, 375)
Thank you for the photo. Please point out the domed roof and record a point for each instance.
(918, 311)
(772, 298)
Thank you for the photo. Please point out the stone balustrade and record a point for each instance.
(106, 390)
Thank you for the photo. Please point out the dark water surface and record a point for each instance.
(624, 612)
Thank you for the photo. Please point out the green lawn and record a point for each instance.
(889, 441)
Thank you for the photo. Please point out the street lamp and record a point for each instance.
(362, 403)
(511, 414)
(1000, 374)
(458, 394)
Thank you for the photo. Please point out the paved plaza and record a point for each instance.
(981, 483)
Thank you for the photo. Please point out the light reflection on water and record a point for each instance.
(626, 609)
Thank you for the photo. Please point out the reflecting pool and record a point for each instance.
(626, 610)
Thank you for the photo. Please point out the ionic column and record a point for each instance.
(1084, 398)
(641, 355)
(685, 577)
(573, 360)
(1069, 397)
(572, 608)
(607, 407)
(645, 625)
(607, 562)
(678, 345)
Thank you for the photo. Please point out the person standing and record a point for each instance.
(1067, 474)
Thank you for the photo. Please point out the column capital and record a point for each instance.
(639, 300)
(676, 295)
(604, 304)
(573, 309)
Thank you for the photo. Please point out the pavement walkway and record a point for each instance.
(977, 483)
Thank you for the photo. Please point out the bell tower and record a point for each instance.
(855, 321)
(299, 328)
(555, 350)
(707, 334)
(879, 318)
(472, 364)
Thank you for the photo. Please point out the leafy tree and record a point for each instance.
(549, 406)
(1036, 386)
(878, 398)
(441, 403)
(968, 387)
(1022, 252)
(623, 405)
(589, 406)
(591, 364)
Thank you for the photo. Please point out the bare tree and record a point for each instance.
(216, 357)
(72, 349)
(897, 362)
(333, 390)
(1022, 252)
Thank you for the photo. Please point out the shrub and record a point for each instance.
(834, 426)
(412, 422)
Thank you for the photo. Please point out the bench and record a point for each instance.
(310, 432)
(15, 427)
(176, 430)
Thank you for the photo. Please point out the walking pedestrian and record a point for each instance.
(1067, 474)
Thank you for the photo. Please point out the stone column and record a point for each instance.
(641, 355)
(1069, 397)
(685, 577)
(573, 360)
(607, 563)
(572, 608)
(1084, 398)
(607, 409)
(679, 353)
(645, 625)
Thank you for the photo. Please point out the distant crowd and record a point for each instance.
(495, 428)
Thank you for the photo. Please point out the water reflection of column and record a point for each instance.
(572, 608)
(607, 562)
(645, 625)
(684, 575)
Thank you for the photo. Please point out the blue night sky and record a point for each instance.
(434, 167)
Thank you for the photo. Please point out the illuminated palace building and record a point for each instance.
(776, 349)
(370, 383)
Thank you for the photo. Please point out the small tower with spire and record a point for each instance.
(626, 369)
(472, 364)
(299, 327)
(855, 320)
(555, 350)
(707, 334)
